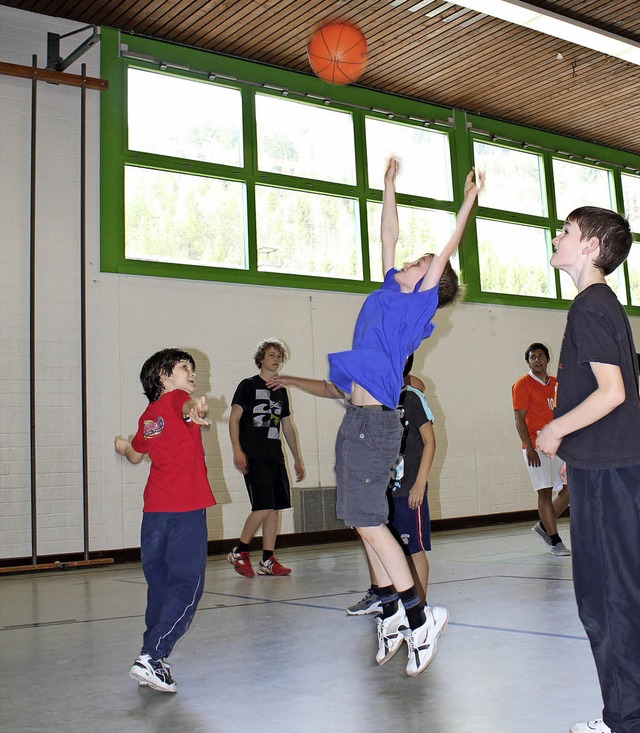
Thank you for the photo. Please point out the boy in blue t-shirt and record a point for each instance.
(595, 431)
(391, 324)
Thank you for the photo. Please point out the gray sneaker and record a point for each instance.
(542, 534)
(560, 550)
(369, 603)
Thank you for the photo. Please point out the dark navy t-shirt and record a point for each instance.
(598, 330)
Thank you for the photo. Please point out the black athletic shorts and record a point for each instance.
(268, 485)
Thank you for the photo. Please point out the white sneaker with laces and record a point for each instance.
(423, 641)
(593, 726)
(390, 636)
(153, 673)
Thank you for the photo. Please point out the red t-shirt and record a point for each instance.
(178, 476)
(537, 399)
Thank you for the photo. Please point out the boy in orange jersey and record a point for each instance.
(533, 399)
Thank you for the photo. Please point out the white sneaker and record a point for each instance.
(390, 636)
(593, 726)
(153, 673)
(423, 641)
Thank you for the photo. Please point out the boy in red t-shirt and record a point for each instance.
(173, 538)
(533, 397)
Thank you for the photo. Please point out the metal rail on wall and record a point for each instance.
(54, 74)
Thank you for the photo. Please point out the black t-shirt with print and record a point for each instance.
(263, 409)
(598, 330)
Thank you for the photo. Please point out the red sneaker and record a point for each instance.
(273, 567)
(241, 563)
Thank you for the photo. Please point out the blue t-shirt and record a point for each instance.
(390, 326)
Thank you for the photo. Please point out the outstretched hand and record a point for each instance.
(198, 412)
(277, 381)
(474, 183)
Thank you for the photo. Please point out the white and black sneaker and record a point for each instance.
(390, 636)
(154, 673)
(422, 642)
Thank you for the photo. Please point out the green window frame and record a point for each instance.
(248, 79)
(119, 52)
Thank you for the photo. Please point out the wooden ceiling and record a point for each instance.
(440, 52)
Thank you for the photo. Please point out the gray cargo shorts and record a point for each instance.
(367, 446)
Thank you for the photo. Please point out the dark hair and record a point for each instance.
(448, 287)
(270, 343)
(535, 346)
(408, 365)
(158, 365)
(610, 228)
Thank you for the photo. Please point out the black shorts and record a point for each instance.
(268, 485)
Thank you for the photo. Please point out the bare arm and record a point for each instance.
(123, 448)
(389, 227)
(416, 494)
(521, 426)
(239, 456)
(604, 399)
(292, 441)
(315, 387)
(472, 186)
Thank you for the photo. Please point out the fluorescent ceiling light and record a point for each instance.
(558, 26)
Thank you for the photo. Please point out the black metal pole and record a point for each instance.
(83, 310)
(32, 320)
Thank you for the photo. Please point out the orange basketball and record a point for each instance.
(338, 53)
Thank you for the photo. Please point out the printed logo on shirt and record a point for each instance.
(152, 428)
(266, 414)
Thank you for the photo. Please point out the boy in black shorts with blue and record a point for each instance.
(409, 519)
(596, 431)
(258, 416)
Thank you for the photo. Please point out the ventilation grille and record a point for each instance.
(315, 509)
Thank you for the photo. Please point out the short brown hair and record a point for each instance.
(449, 286)
(610, 228)
(270, 343)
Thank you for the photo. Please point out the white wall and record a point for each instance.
(469, 364)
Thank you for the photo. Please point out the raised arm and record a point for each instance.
(389, 228)
(315, 387)
(472, 185)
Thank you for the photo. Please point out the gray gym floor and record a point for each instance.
(279, 654)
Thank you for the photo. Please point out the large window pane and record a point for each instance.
(421, 231)
(631, 193)
(184, 118)
(515, 179)
(305, 140)
(581, 185)
(425, 160)
(172, 217)
(514, 259)
(633, 265)
(307, 234)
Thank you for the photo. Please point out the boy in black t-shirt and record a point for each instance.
(596, 430)
(257, 414)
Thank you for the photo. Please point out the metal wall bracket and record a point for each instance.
(55, 62)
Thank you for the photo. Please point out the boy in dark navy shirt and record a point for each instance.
(596, 430)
